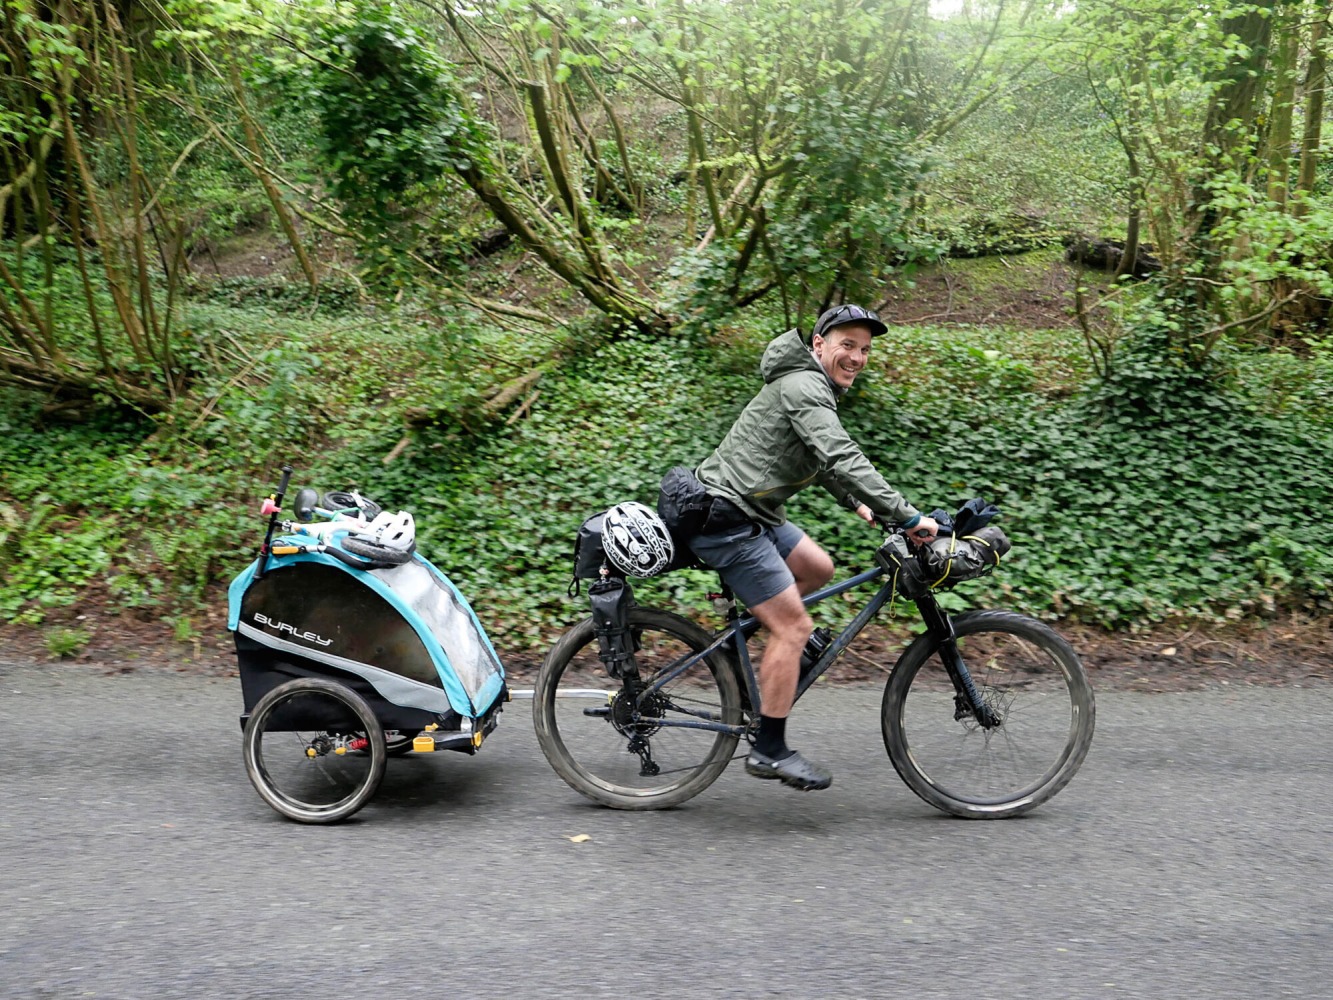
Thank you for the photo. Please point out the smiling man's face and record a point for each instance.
(842, 352)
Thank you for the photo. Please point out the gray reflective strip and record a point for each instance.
(394, 688)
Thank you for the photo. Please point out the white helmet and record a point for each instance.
(394, 531)
(635, 539)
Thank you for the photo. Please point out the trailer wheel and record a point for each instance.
(301, 746)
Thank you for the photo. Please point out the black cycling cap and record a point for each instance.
(845, 315)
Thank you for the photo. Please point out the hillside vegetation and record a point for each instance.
(1123, 513)
(503, 265)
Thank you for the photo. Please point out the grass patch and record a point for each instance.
(63, 643)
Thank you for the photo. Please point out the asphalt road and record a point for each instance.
(1188, 859)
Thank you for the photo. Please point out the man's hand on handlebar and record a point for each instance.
(923, 531)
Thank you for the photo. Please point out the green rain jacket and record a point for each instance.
(788, 437)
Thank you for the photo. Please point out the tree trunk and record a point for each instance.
(251, 131)
(1228, 131)
(1316, 80)
(1279, 119)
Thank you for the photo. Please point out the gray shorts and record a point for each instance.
(751, 558)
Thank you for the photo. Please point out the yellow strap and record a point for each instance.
(953, 547)
(981, 541)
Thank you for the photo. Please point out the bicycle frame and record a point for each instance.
(968, 700)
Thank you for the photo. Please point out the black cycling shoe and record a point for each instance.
(793, 770)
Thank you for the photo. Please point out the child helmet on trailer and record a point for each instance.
(388, 540)
(636, 541)
(394, 531)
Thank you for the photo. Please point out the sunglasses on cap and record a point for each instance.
(845, 315)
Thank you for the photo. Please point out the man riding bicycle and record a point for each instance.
(788, 437)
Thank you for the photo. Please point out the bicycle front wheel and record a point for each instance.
(631, 752)
(1035, 684)
(314, 750)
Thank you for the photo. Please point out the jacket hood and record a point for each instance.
(787, 353)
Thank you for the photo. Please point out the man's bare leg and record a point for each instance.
(811, 566)
(788, 629)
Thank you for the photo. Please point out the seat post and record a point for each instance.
(724, 601)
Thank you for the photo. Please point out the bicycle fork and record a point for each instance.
(967, 699)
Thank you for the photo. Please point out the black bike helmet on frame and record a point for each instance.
(844, 315)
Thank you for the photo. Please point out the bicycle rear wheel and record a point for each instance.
(314, 750)
(587, 730)
(1030, 677)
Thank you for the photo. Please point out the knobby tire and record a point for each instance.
(1031, 677)
(593, 755)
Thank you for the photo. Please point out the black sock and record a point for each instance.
(771, 740)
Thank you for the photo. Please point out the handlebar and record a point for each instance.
(889, 527)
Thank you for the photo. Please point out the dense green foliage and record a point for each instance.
(530, 254)
(392, 123)
(1152, 494)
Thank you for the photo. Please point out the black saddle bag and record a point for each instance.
(589, 556)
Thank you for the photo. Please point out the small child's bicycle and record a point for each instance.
(986, 715)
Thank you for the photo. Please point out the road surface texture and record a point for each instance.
(1190, 858)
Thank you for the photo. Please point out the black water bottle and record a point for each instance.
(814, 648)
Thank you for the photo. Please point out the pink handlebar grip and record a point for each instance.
(269, 506)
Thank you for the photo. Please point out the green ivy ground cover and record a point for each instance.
(1133, 501)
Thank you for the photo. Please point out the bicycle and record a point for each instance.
(985, 716)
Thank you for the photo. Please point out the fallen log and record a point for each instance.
(1104, 255)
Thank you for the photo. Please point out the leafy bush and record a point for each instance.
(391, 117)
(1159, 492)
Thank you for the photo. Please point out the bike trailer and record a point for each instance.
(401, 636)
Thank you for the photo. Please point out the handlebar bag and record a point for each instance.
(955, 558)
(902, 564)
(938, 565)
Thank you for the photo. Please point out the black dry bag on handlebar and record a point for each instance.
(956, 558)
(968, 546)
